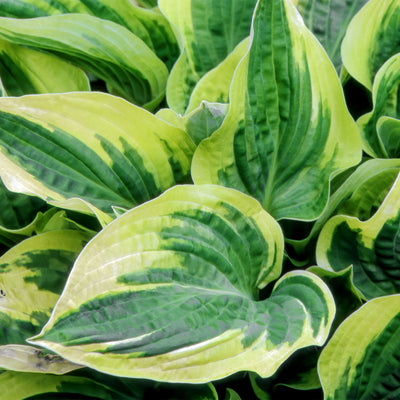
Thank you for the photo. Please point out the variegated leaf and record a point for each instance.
(361, 361)
(371, 247)
(371, 39)
(288, 130)
(89, 147)
(108, 50)
(209, 31)
(170, 292)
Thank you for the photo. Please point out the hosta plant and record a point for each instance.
(199, 199)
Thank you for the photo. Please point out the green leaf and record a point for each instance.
(108, 50)
(328, 20)
(209, 31)
(32, 276)
(85, 384)
(371, 39)
(361, 361)
(231, 395)
(380, 127)
(149, 25)
(21, 72)
(170, 292)
(89, 146)
(214, 85)
(288, 129)
(360, 195)
(370, 246)
(200, 123)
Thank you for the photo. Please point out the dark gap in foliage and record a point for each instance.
(358, 98)
(238, 382)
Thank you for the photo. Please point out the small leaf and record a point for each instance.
(170, 293)
(371, 39)
(108, 50)
(288, 130)
(361, 361)
(370, 246)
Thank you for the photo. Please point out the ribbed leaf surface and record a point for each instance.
(110, 51)
(91, 146)
(210, 30)
(288, 129)
(168, 291)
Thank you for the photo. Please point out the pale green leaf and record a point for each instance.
(371, 247)
(288, 130)
(170, 292)
(22, 72)
(361, 361)
(89, 151)
(380, 127)
(209, 31)
(108, 50)
(371, 39)
(149, 25)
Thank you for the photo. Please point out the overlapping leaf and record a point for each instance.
(328, 20)
(21, 72)
(380, 129)
(371, 39)
(371, 247)
(361, 361)
(210, 31)
(89, 146)
(148, 25)
(32, 276)
(288, 129)
(170, 293)
(110, 51)
(86, 384)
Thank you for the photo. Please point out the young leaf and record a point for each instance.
(170, 293)
(361, 361)
(288, 129)
(371, 39)
(89, 146)
(370, 246)
(108, 50)
(380, 128)
(150, 26)
(328, 20)
(210, 31)
(21, 72)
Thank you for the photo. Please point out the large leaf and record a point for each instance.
(110, 51)
(288, 129)
(92, 146)
(84, 385)
(328, 20)
(380, 128)
(170, 293)
(32, 276)
(21, 72)
(371, 247)
(371, 39)
(361, 361)
(209, 30)
(150, 26)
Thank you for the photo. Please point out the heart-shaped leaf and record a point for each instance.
(169, 291)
